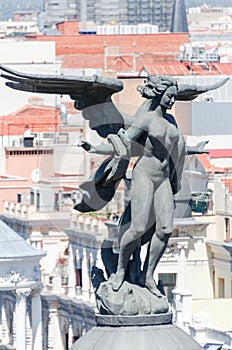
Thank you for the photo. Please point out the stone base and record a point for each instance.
(129, 300)
(138, 320)
(135, 337)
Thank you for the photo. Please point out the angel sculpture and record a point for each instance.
(154, 138)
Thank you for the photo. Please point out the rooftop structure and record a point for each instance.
(20, 273)
(16, 28)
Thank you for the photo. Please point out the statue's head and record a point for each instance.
(161, 87)
(156, 85)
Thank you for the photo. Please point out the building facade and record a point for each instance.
(102, 12)
(61, 10)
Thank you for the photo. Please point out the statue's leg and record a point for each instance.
(141, 206)
(134, 266)
(124, 223)
(164, 208)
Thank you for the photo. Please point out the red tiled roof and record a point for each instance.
(175, 68)
(205, 161)
(220, 153)
(39, 118)
(82, 61)
(157, 52)
(96, 44)
(154, 63)
(223, 68)
(228, 184)
(178, 68)
(209, 168)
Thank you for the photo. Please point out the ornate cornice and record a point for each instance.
(18, 276)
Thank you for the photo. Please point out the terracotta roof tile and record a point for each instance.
(172, 68)
(228, 184)
(220, 153)
(39, 118)
(158, 52)
(82, 61)
(217, 153)
(96, 44)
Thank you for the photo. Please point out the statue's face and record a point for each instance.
(169, 97)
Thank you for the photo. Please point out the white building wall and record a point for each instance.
(215, 141)
(26, 57)
(211, 309)
(24, 52)
(204, 118)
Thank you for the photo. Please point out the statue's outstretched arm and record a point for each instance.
(199, 149)
(102, 148)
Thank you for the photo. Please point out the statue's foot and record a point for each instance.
(151, 286)
(117, 279)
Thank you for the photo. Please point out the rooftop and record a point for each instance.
(40, 118)
(157, 53)
(13, 247)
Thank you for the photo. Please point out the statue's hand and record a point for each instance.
(86, 145)
(200, 147)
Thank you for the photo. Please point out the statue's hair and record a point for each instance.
(160, 83)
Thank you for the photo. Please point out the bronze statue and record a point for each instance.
(154, 138)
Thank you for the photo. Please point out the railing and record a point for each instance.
(18, 210)
(198, 57)
(89, 224)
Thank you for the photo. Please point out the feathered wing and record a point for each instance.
(92, 94)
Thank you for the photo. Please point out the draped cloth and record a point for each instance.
(99, 190)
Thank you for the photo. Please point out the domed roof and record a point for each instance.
(162, 337)
(12, 246)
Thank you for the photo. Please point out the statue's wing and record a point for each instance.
(190, 92)
(92, 94)
(75, 86)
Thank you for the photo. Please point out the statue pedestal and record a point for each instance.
(136, 333)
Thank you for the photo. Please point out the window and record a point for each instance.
(167, 281)
(72, 5)
(53, 4)
(221, 288)
(227, 229)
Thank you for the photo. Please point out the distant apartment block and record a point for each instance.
(60, 10)
(112, 12)
(26, 14)
(135, 12)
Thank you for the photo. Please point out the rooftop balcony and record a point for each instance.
(94, 225)
(22, 211)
